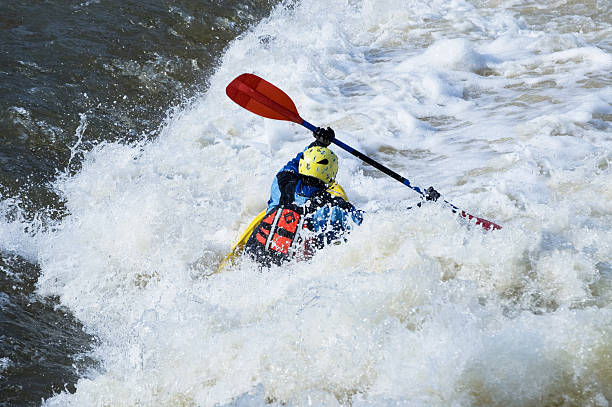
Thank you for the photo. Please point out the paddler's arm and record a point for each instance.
(331, 223)
(340, 211)
(281, 191)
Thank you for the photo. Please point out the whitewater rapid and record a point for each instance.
(503, 106)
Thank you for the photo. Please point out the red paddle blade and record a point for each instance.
(486, 224)
(261, 97)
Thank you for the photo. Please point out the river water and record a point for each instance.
(126, 174)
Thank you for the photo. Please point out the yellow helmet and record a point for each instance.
(319, 162)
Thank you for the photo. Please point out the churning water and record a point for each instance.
(504, 106)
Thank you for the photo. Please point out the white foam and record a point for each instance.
(416, 308)
(16, 231)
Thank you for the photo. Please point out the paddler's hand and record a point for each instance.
(431, 194)
(324, 136)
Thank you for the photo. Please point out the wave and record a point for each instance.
(506, 119)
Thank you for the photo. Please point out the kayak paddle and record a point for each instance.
(264, 99)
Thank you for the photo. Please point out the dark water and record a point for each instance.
(119, 65)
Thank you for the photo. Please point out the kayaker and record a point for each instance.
(306, 210)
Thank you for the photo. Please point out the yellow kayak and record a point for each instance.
(334, 189)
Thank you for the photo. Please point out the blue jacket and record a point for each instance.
(330, 220)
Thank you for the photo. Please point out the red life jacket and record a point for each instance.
(278, 237)
(278, 232)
